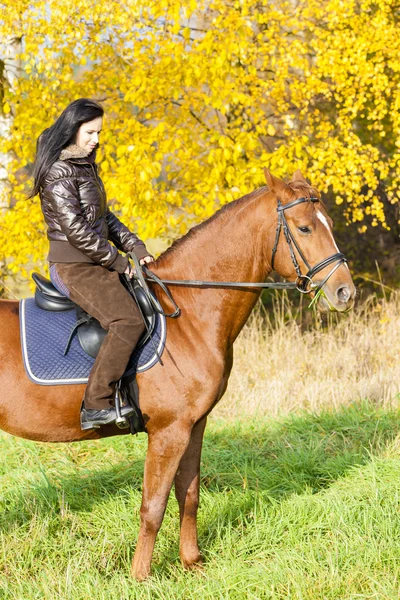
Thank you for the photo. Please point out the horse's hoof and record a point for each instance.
(140, 575)
(193, 564)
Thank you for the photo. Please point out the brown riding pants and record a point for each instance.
(99, 292)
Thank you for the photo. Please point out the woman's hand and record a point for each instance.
(146, 259)
(129, 271)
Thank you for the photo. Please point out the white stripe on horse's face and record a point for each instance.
(324, 222)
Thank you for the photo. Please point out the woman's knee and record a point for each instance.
(128, 329)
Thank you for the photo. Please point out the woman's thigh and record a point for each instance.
(99, 292)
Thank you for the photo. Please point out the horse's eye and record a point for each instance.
(305, 229)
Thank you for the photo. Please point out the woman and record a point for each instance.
(83, 263)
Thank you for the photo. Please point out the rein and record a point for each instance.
(304, 283)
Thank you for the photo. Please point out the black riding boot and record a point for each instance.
(93, 419)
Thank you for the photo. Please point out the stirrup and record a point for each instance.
(121, 421)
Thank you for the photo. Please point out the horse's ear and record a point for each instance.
(275, 185)
(298, 176)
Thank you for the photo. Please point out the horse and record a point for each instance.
(242, 241)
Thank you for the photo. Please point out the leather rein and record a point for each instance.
(304, 283)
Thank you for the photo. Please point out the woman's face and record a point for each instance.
(88, 134)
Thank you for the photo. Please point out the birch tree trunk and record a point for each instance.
(9, 72)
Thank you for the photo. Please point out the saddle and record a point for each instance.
(89, 331)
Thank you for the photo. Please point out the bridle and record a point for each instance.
(304, 283)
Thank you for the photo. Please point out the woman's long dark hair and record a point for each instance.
(60, 135)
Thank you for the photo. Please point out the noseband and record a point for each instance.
(304, 283)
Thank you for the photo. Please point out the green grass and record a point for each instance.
(303, 507)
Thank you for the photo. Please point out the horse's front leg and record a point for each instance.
(165, 450)
(187, 485)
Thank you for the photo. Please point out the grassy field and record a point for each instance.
(300, 483)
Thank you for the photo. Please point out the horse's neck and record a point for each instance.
(235, 246)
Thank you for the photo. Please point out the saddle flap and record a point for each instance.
(143, 301)
(90, 334)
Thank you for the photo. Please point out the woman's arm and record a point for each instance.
(123, 238)
(63, 197)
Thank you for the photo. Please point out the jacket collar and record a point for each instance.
(74, 151)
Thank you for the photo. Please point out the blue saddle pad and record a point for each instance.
(44, 335)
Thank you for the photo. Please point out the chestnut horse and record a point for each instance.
(236, 244)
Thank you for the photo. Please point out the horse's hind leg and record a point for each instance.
(187, 484)
(165, 450)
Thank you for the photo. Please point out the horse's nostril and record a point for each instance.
(343, 293)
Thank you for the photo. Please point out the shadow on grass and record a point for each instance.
(298, 453)
(80, 492)
(294, 455)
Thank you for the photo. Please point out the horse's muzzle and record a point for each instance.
(341, 299)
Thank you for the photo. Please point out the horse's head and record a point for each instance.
(304, 246)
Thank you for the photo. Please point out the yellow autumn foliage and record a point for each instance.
(200, 96)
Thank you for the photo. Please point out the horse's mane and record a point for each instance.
(219, 214)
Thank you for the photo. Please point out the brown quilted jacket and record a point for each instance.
(80, 224)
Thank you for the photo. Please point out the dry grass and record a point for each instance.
(279, 369)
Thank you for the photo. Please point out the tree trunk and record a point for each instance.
(9, 72)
